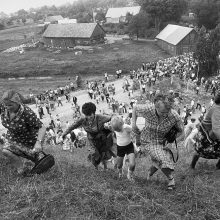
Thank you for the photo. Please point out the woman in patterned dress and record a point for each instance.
(25, 132)
(207, 139)
(100, 139)
(159, 119)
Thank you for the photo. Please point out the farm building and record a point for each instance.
(117, 15)
(67, 21)
(70, 35)
(53, 19)
(176, 39)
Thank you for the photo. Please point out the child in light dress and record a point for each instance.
(67, 143)
(59, 138)
(124, 145)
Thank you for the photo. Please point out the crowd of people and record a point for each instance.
(165, 113)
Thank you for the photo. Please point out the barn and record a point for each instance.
(70, 35)
(117, 15)
(177, 40)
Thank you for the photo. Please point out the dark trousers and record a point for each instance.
(48, 110)
(198, 106)
(60, 103)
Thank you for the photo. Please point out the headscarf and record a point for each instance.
(13, 96)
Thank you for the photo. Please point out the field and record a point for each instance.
(15, 36)
(73, 189)
(125, 55)
(65, 65)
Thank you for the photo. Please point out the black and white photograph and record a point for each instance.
(109, 109)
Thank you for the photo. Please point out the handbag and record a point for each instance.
(170, 137)
(44, 163)
(103, 151)
(205, 146)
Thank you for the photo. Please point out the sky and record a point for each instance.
(10, 6)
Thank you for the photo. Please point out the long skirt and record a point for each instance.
(160, 157)
(100, 150)
(206, 148)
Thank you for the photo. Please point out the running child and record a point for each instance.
(124, 145)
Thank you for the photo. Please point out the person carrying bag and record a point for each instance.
(25, 135)
(207, 139)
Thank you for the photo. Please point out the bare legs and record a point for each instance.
(131, 166)
(194, 161)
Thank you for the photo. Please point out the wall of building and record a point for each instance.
(169, 48)
(188, 44)
(59, 42)
(122, 19)
(70, 42)
(112, 20)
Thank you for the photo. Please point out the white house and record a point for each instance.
(117, 15)
(53, 19)
(67, 21)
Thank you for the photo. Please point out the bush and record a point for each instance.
(151, 33)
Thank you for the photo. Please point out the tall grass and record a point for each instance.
(73, 189)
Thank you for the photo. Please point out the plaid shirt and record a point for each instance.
(155, 130)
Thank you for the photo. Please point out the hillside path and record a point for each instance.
(66, 113)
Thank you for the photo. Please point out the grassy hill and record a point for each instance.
(73, 189)
(18, 35)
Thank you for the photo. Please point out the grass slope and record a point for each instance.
(15, 36)
(73, 189)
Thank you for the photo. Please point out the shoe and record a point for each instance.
(25, 172)
(171, 184)
(194, 161)
(148, 176)
(130, 177)
(218, 165)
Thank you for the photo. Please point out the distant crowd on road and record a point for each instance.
(167, 114)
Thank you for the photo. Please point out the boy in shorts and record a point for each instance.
(124, 145)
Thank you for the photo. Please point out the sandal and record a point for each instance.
(26, 172)
(171, 184)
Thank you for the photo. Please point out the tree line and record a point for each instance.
(154, 13)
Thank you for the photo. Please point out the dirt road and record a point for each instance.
(65, 112)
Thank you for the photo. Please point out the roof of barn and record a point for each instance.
(73, 30)
(173, 34)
